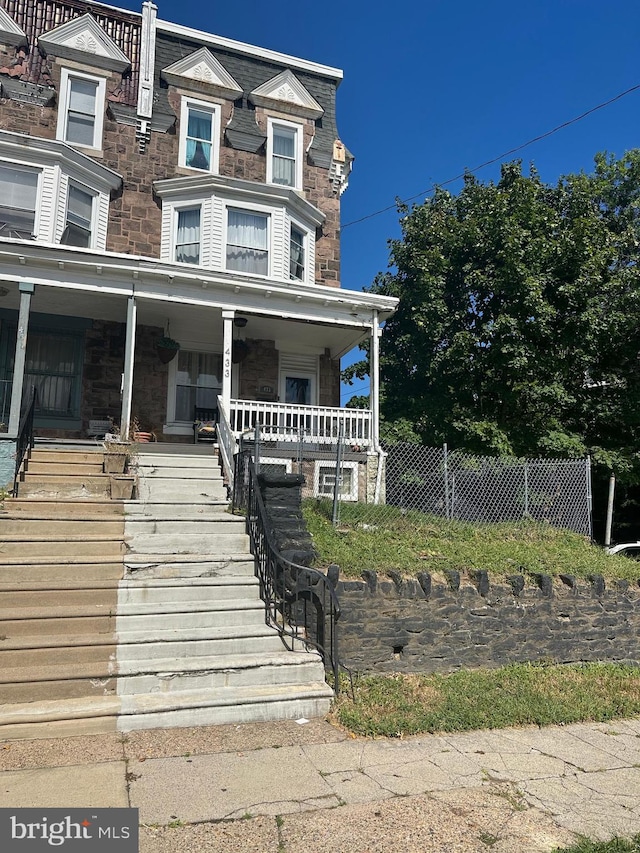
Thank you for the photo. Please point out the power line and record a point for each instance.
(494, 159)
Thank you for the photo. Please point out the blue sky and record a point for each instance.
(433, 87)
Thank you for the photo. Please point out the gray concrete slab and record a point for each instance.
(87, 785)
(259, 835)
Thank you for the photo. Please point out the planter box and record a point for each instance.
(114, 463)
(122, 487)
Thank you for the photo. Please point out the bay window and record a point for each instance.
(78, 227)
(296, 254)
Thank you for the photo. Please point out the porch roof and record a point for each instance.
(84, 282)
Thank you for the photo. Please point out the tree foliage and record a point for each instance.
(518, 328)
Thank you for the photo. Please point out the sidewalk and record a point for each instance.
(309, 788)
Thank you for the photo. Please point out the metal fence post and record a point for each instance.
(336, 486)
(589, 497)
(256, 439)
(526, 490)
(447, 511)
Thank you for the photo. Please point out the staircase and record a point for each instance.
(138, 614)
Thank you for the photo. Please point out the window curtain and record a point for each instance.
(247, 242)
(199, 132)
(188, 236)
(284, 156)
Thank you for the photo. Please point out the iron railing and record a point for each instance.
(24, 441)
(300, 602)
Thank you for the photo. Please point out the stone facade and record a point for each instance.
(434, 625)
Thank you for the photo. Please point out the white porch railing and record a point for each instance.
(283, 422)
(227, 445)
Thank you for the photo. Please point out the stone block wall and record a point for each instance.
(432, 624)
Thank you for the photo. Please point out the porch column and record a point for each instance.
(227, 345)
(374, 379)
(127, 376)
(26, 291)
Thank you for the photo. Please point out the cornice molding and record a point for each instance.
(201, 69)
(285, 93)
(83, 37)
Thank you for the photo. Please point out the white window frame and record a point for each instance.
(272, 123)
(24, 167)
(277, 460)
(351, 466)
(206, 107)
(259, 211)
(306, 237)
(92, 224)
(67, 76)
(175, 212)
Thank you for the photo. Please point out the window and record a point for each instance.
(284, 154)
(198, 382)
(18, 195)
(188, 236)
(247, 242)
(81, 109)
(199, 135)
(296, 254)
(79, 219)
(325, 480)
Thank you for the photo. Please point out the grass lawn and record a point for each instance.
(413, 542)
(514, 695)
(616, 845)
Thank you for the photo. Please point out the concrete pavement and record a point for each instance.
(292, 787)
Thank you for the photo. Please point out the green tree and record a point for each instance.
(518, 328)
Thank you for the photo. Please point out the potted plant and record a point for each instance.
(116, 452)
(166, 348)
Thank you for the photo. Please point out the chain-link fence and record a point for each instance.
(435, 481)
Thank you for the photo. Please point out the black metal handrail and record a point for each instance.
(24, 441)
(300, 602)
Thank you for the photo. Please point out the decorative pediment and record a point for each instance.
(287, 94)
(10, 32)
(202, 67)
(83, 39)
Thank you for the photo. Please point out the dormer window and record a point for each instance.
(18, 201)
(80, 115)
(284, 154)
(199, 135)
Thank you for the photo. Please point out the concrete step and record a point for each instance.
(217, 707)
(187, 474)
(244, 614)
(41, 508)
(67, 457)
(198, 590)
(66, 469)
(167, 490)
(63, 488)
(183, 461)
(98, 624)
(141, 510)
(94, 714)
(31, 683)
(216, 673)
(176, 543)
(54, 549)
(183, 644)
(166, 566)
(24, 600)
(223, 523)
(84, 651)
(79, 570)
(57, 528)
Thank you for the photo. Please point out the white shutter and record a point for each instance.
(50, 214)
(101, 219)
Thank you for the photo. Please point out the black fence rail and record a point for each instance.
(300, 602)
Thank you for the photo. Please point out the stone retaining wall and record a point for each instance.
(440, 624)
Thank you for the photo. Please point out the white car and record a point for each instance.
(626, 549)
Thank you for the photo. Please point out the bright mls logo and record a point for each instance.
(35, 830)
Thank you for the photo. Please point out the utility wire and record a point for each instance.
(494, 159)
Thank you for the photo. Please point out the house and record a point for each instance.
(161, 182)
